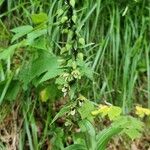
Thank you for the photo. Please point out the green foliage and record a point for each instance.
(111, 111)
(46, 65)
(122, 125)
(58, 51)
(85, 110)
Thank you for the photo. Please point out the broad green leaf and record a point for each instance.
(46, 62)
(20, 32)
(35, 34)
(85, 125)
(39, 18)
(39, 43)
(52, 73)
(76, 147)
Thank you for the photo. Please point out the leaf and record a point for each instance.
(1, 2)
(86, 126)
(76, 147)
(8, 52)
(129, 126)
(21, 31)
(112, 111)
(89, 130)
(13, 90)
(53, 72)
(85, 110)
(39, 18)
(46, 62)
(132, 133)
(105, 135)
(35, 34)
(6, 86)
(62, 112)
(84, 69)
(39, 43)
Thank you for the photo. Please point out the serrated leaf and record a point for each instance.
(132, 133)
(39, 18)
(85, 69)
(114, 112)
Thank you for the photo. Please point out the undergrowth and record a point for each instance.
(73, 74)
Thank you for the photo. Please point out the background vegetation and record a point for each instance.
(59, 53)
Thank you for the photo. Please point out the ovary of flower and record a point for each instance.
(76, 74)
(141, 112)
(65, 76)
